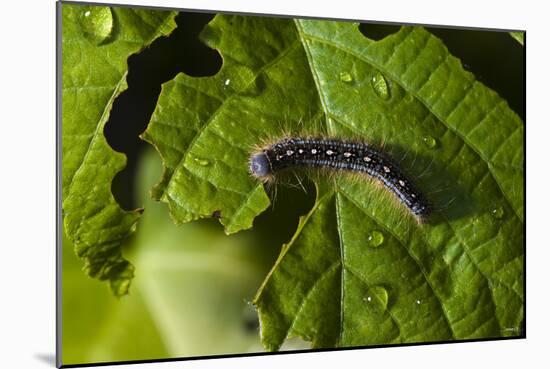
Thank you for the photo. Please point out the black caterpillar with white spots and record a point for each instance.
(339, 155)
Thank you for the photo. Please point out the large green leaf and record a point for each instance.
(359, 270)
(96, 42)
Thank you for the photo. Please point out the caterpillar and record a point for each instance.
(339, 155)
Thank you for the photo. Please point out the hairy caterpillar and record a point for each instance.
(339, 155)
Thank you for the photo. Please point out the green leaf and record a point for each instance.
(96, 42)
(518, 36)
(359, 270)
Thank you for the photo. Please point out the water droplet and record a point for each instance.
(203, 162)
(380, 86)
(498, 212)
(97, 23)
(346, 77)
(227, 82)
(430, 141)
(418, 302)
(375, 239)
(379, 295)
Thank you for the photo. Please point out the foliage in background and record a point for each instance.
(96, 43)
(358, 270)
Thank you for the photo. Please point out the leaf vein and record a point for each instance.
(420, 267)
(456, 132)
(219, 109)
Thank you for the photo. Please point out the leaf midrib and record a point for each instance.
(420, 267)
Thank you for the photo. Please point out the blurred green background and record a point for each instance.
(193, 287)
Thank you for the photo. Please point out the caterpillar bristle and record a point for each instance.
(357, 159)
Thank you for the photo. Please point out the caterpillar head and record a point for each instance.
(260, 166)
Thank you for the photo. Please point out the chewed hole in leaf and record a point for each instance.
(93, 75)
(147, 71)
(378, 31)
(466, 46)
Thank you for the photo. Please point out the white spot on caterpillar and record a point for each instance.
(313, 151)
(330, 152)
(367, 159)
(301, 151)
(401, 183)
(386, 169)
(347, 154)
(289, 152)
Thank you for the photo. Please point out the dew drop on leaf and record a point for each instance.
(97, 23)
(379, 295)
(375, 239)
(203, 162)
(430, 142)
(346, 77)
(380, 86)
